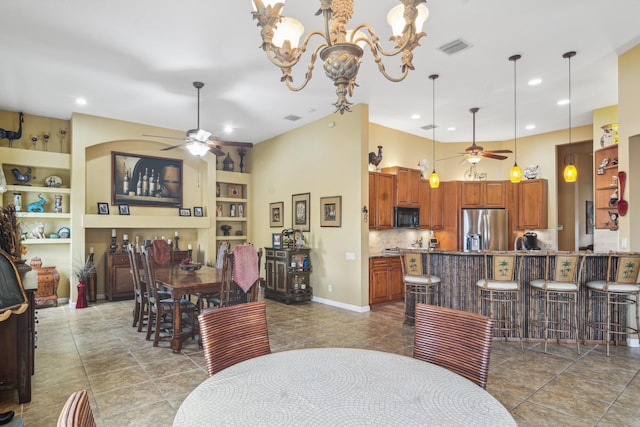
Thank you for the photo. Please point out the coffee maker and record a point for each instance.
(531, 241)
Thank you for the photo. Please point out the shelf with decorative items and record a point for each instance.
(606, 188)
(232, 207)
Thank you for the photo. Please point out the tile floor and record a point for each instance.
(132, 383)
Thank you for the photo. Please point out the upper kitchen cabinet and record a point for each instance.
(532, 204)
(407, 183)
(381, 198)
(483, 194)
(430, 206)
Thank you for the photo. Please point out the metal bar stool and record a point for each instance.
(420, 286)
(616, 293)
(554, 298)
(500, 292)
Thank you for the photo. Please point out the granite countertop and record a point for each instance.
(393, 252)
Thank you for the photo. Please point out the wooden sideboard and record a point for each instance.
(119, 283)
(288, 275)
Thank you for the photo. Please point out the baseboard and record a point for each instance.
(338, 304)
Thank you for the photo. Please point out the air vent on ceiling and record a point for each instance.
(292, 117)
(454, 46)
(428, 127)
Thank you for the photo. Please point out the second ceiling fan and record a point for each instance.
(199, 141)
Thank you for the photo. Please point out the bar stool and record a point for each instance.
(420, 286)
(500, 291)
(615, 293)
(555, 296)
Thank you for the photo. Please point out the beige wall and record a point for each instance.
(324, 161)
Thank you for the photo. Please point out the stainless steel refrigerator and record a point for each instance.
(485, 229)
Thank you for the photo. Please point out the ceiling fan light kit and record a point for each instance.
(341, 49)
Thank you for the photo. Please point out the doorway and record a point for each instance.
(572, 199)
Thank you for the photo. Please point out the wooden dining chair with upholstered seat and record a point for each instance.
(77, 411)
(159, 307)
(234, 334)
(457, 340)
(420, 286)
(240, 275)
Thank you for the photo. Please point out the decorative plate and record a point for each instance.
(64, 233)
(53, 181)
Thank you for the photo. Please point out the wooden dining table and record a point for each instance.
(339, 387)
(180, 283)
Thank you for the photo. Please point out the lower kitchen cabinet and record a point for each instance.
(385, 280)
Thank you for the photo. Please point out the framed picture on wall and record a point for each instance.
(301, 205)
(331, 211)
(275, 240)
(276, 214)
(145, 180)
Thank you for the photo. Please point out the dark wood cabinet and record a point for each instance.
(532, 204)
(381, 197)
(17, 357)
(385, 280)
(288, 275)
(119, 283)
(407, 183)
(483, 194)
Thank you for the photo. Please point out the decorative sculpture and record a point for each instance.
(37, 206)
(22, 178)
(375, 160)
(13, 135)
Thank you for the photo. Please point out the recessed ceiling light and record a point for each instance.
(81, 101)
(535, 82)
(415, 116)
(451, 128)
(530, 127)
(228, 129)
(563, 102)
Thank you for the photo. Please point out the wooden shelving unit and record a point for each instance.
(606, 187)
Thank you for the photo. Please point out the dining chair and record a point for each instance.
(500, 292)
(140, 307)
(553, 299)
(233, 334)
(77, 412)
(420, 286)
(614, 295)
(459, 341)
(13, 299)
(161, 309)
(240, 275)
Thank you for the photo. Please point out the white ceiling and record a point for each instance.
(136, 61)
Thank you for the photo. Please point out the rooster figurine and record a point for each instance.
(375, 160)
(12, 135)
(22, 178)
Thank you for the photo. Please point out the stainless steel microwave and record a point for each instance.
(406, 217)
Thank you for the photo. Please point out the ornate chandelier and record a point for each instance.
(342, 48)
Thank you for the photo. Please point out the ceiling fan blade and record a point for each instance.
(172, 147)
(232, 143)
(493, 156)
(217, 151)
(165, 137)
(450, 157)
(498, 151)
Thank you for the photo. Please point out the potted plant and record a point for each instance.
(11, 234)
(83, 272)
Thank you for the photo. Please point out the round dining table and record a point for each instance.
(339, 387)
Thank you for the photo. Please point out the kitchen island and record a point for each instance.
(459, 272)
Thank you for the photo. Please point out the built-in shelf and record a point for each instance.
(36, 189)
(231, 237)
(230, 200)
(48, 159)
(231, 218)
(43, 215)
(144, 221)
(46, 241)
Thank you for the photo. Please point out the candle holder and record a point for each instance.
(241, 153)
(63, 134)
(45, 140)
(176, 239)
(189, 252)
(125, 244)
(113, 247)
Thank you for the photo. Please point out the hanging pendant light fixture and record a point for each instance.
(434, 179)
(570, 171)
(515, 174)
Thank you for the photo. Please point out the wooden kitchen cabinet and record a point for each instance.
(407, 183)
(385, 280)
(430, 206)
(381, 198)
(483, 194)
(532, 204)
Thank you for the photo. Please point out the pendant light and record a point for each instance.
(570, 171)
(515, 174)
(434, 179)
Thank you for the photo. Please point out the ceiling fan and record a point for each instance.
(199, 141)
(474, 153)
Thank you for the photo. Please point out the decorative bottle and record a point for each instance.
(139, 185)
(303, 285)
(125, 184)
(17, 201)
(145, 182)
(152, 184)
(305, 263)
(296, 285)
(57, 206)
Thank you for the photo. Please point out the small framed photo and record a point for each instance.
(275, 240)
(184, 212)
(301, 211)
(240, 210)
(232, 210)
(103, 208)
(276, 217)
(234, 191)
(123, 209)
(197, 211)
(331, 211)
(219, 210)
